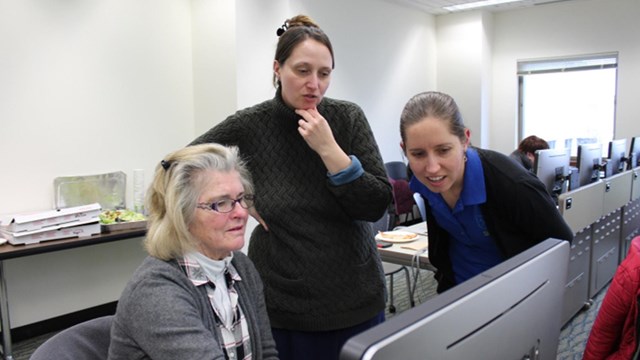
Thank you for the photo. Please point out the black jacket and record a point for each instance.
(519, 213)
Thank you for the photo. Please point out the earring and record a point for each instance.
(465, 158)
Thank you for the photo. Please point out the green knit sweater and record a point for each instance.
(318, 261)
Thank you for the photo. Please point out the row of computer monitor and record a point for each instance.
(552, 166)
(472, 319)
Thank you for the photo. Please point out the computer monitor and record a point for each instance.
(616, 160)
(511, 311)
(552, 168)
(589, 162)
(633, 160)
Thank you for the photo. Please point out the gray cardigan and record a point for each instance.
(162, 315)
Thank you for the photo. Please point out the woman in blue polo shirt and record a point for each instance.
(482, 208)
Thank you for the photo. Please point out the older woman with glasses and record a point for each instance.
(195, 296)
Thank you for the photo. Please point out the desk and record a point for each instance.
(8, 251)
(413, 254)
(405, 253)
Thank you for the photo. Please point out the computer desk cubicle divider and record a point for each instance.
(631, 214)
(580, 208)
(594, 212)
(635, 184)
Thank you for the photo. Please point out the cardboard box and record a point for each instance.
(43, 219)
(67, 230)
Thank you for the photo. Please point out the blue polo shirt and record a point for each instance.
(472, 249)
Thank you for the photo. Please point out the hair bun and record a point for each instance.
(298, 20)
(301, 20)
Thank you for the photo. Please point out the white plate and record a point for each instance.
(397, 236)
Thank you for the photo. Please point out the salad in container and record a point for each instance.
(121, 219)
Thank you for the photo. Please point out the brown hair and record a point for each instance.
(294, 31)
(432, 104)
(532, 143)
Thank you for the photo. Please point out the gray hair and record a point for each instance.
(173, 195)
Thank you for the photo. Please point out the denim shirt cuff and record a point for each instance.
(352, 172)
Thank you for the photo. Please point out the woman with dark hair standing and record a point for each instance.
(482, 207)
(319, 180)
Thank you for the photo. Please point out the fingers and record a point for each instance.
(311, 118)
(310, 115)
(315, 130)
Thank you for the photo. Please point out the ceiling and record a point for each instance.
(435, 7)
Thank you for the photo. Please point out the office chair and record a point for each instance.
(385, 223)
(403, 201)
(396, 170)
(398, 175)
(88, 340)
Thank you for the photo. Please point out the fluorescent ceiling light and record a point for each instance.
(477, 4)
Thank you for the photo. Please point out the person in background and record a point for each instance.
(319, 181)
(481, 207)
(614, 334)
(195, 296)
(525, 153)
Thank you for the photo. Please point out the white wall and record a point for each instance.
(256, 26)
(385, 53)
(383, 56)
(464, 61)
(215, 80)
(86, 87)
(565, 29)
(484, 82)
(90, 87)
(48, 285)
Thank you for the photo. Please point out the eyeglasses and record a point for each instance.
(227, 205)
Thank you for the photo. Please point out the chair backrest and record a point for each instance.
(419, 200)
(402, 196)
(385, 223)
(396, 170)
(88, 340)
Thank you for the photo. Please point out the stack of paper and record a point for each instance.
(33, 228)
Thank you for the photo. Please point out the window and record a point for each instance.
(568, 101)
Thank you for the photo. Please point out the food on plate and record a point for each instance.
(397, 235)
(119, 216)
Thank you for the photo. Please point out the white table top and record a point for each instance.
(405, 253)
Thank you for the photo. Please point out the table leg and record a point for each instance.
(4, 317)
